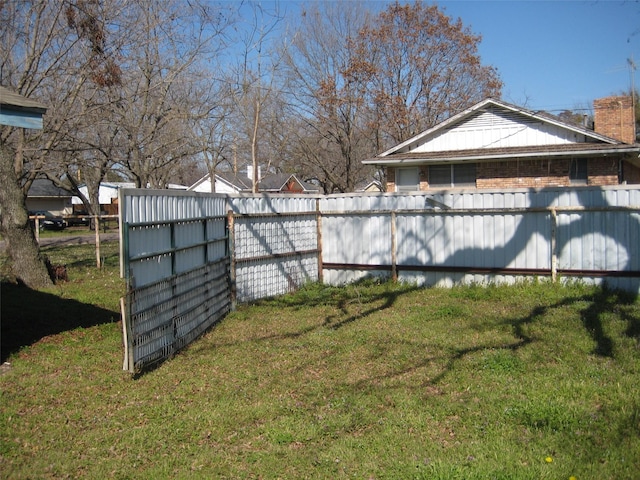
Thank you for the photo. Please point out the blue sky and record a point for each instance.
(551, 55)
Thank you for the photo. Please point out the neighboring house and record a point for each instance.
(285, 183)
(43, 195)
(231, 183)
(498, 145)
(108, 196)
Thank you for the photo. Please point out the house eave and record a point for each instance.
(408, 159)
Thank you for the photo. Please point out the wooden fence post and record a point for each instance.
(232, 258)
(319, 242)
(98, 259)
(554, 244)
(394, 259)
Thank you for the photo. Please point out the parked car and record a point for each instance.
(49, 222)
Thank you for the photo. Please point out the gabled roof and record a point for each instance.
(269, 184)
(43, 187)
(415, 150)
(279, 183)
(235, 182)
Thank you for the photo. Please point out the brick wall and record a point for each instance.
(614, 117)
(529, 174)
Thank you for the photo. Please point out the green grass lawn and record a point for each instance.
(533, 381)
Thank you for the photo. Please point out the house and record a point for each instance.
(43, 195)
(107, 196)
(285, 183)
(274, 183)
(225, 183)
(494, 144)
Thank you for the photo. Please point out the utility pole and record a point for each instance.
(632, 70)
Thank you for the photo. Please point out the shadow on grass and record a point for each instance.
(597, 304)
(29, 315)
(355, 302)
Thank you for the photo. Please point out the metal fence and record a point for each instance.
(175, 259)
(188, 257)
(484, 236)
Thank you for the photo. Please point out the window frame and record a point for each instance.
(456, 171)
(408, 187)
(579, 171)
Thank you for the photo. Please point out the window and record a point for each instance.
(455, 175)
(578, 171)
(407, 180)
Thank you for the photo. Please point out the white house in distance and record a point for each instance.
(107, 196)
(242, 183)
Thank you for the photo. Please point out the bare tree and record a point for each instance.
(254, 89)
(123, 82)
(328, 101)
(51, 55)
(419, 67)
(165, 89)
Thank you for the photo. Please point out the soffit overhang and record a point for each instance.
(575, 150)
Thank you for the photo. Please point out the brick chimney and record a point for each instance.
(614, 117)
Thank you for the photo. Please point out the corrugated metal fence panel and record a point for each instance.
(439, 238)
(601, 240)
(152, 206)
(275, 244)
(507, 232)
(503, 240)
(166, 316)
(271, 204)
(176, 261)
(169, 232)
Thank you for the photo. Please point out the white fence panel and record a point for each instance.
(460, 236)
(275, 252)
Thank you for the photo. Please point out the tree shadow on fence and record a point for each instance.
(30, 315)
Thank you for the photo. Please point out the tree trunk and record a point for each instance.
(23, 252)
